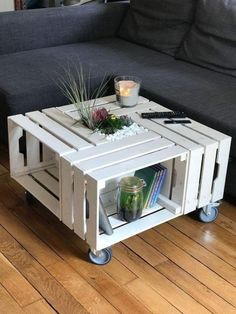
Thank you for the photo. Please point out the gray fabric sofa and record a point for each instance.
(37, 45)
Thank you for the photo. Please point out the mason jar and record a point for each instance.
(130, 198)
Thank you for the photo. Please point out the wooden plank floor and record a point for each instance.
(183, 266)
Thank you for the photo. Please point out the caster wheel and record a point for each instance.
(208, 215)
(101, 258)
(29, 198)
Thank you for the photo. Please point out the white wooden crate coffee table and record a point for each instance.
(71, 171)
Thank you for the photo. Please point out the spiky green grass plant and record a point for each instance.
(77, 89)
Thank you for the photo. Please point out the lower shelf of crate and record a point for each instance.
(125, 230)
(116, 222)
(163, 202)
(44, 186)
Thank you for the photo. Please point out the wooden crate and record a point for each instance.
(207, 175)
(64, 164)
(101, 175)
(48, 136)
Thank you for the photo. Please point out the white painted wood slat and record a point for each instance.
(193, 181)
(79, 129)
(32, 151)
(16, 158)
(124, 155)
(54, 171)
(40, 193)
(116, 222)
(93, 220)
(110, 147)
(179, 180)
(103, 101)
(133, 228)
(169, 204)
(165, 132)
(99, 102)
(138, 108)
(48, 181)
(222, 161)
(79, 204)
(42, 135)
(68, 137)
(75, 115)
(138, 163)
(66, 192)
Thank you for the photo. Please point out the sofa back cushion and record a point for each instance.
(158, 24)
(50, 27)
(211, 41)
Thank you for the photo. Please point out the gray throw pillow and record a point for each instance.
(158, 24)
(211, 41)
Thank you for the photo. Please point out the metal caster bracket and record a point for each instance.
(30, 199)
(208, 213)
(100, 257)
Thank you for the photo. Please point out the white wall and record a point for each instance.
(6, 5)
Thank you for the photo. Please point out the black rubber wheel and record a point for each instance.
(29, 197)
(210, 217)
(102, 258)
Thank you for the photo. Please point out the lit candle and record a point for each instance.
(126, 87)
(127, 92)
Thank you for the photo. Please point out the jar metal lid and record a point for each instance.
(131, 184)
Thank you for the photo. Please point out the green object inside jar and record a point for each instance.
(130, 200)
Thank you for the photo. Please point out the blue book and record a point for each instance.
(151, 200)
(158, 189)
(158, 186)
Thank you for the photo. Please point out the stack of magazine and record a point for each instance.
(154, 177)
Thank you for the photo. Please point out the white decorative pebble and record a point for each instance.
(126, 131)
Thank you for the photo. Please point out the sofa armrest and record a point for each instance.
(33, 29)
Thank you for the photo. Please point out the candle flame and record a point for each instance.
(126, 87)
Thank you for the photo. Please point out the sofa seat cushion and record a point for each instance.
(158, 24)
(211, 41)
(207, 96)
(29, 80)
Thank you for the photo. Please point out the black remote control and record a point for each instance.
(163, 115)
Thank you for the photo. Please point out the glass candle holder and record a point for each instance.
(127, 90)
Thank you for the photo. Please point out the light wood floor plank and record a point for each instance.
(226, 223)
(169, 291)
(191, 265)
(119, 272)
(154, 302)
(229, 210)
(27, 238)
(193, 287)
(70, 251)
(48, 287)
(194, 249)
(39, 307)
(3, 170)
(145, 250)
(7, 304)
(17, 286)
(119, 297)
(212, 237)
(91, 299)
